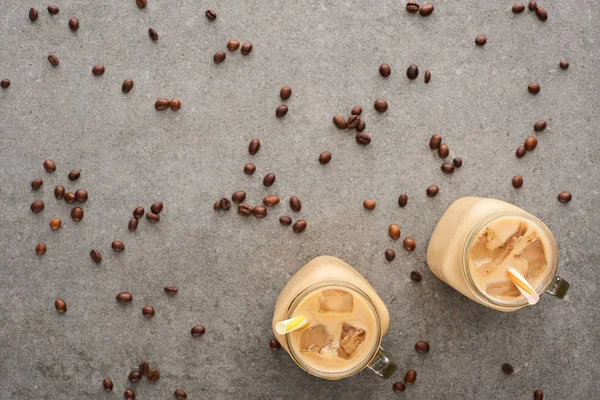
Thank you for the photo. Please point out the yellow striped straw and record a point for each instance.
(523, 285)
(292, 324)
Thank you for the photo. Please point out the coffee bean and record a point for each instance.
(74, 175)
(385, 70)
(399, 387)
(118, 246)
(363, 139)
(394, 231)
(274, 344)
(233, 45)
(564, 64)
(518, 8)
(339, 121)
(410, 377)
(98, 69)
(37, 206)
(409, 244)
(60, 305)
(533, 88)
(521, 151)
(381, 105)
(239, 196)
(299, 226)
(211, 15)
(412, 7)
(246, 49)
(133, 223)
(154, 218)
(254, 146)
(443, 150)
(81, 195)
(361, 126)
(4, 83)
(281, 111)
(249, 168)
(77, 214)
(96, 256)
(36, 183)
(285, 92)
(33, 14)
(269, 179)
(402, 200)
(412, 72)
(353, 121)
(507, 369)
(259, 212)
(432, 190)
(564, 197)
(74, 24)
(153, 375)
(157, 207)
(40, 249)
(70, 197)
(162, 104)
(129, 395)
(53, 60)
(225, 204)
(172, 290)
(480, 40)
(295, 204)
(134, 376)
(59, 192)
(124, 297)
(127, 85)
(538, 394)
(108, 385)
(427, 76)
(447, 168)
(415, 276)
(175, 104)
(180, 394)
(49, 166)
(138, 212)
(245, 209)
(153, 34)
(530, 143)
(422, 347)
(219, 57)
(324, 157)
(55, 223)
(426, 10)
(141, 3)
(532, 5)
(198, 330)
(148, 311)
(53, 9)
(541, 13)
(356, 110)
(271, 201)
(539, 126)
(285, 220)
(435, 142)
(457, 162)
(369, 204)
(390, 255)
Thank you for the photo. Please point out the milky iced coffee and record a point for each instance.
(477, 241)
(344, 321)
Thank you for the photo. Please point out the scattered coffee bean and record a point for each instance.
(299, 226)
(124, 297)
(274, 344)
(133, 223)
(426, 10)
(564, 197)
(518, 8)
(36, 183)
(175, 104)
(427, 76)
(412, 7)
(339, 121)
(33, 14)
(37, 206)
(285, 92)
(269, 179)
(4, 83)
(295, 204)
(415, 276)
(532, 5)
(233, 45)
(141, 3)
(390, 255)
(180, 394)
(539, 126)
(564, 64)
(285, 220)
(144, 366)
(385, 70)
(153, 34)
(81, 195)
(447, 168)
(369, 204)
(59, 192)
(134, 376)
(40, 249)
(521, 151)
(74, 24)
(249, 168)
(198, 330)
(422, 347)
(410, 377)
(211, 15)
(157, 207)
(162, 104)
(128, 394)
(154, 218)
(324, 157)
(533, 88)
(271, 201)
(53, 60)
(538, 394)
(443, 150)
(148, 311)
(98, 69)
(53, 9)
(356, 110)
(394, 231)
(127, 85)
(412, 72)
(281, 111)
(361, 126)
(381, 105)
(353, 121)
(49, 166)
(530, 143)
(55, 223)
(70, 197)
(108, 385)
(224, 204)
(480, 40)
(402, 200)
(517, 181)
(259, 212)
(118, 246)
(138, 212)
(507, 369)
(153, 375)
(246, 49)
(171, 290)
(457, 162)
(96, 256)
(409, 244)
(240, 196)
(60, 305)
(77, 214)
(435, 142)
(432, 190)
(219, 57)
(541, 13)
(254, 146)
(363, 139)
(74, 175)
(245, 209)
(399, 387)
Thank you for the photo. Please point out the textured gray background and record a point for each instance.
(230, 270)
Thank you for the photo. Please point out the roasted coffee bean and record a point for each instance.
(564, 64)
(171, 290)
(353, 121)
(74, 175)
(60, 305)
(385, 70)
(233, 45)
(480, 40)
(541, 13)
(507, 369)
(96, 256)
(49, 166)
(157, 207)
(269, 179)
(153, 375)
(77, 214)
(422, 347)
(339, 121)
(324, 157)
(98, 69)
(59, 192)
(180, 394)
(129, 395)
(74, 24)
(118, 246)
(394, 231)
(432, 190)
(53, 9)
(254, 146)
(517, 181)
(175, 104)
(447, 168)
(198, 330)
(538, 394)
(409, 244)
(219, 57)
(246, 49)
(539, 126)
(369, 204)
(124, 297)
(70, 197)
(521, 151)
(457, 162)
(285, 92)
(144, 367)
(532, 5)
(259, 212)
(412, 72)
(399, 387)
(217, 205)
(134, 376)
(533, 88)
(530, 143)
(240, 196)
(224, 203)
(40, 249)
(53, 60)
(154, 218)
(564, 197)
(249, 168)
(36, 183)
(37, 206)
(412, 7)
(33, 14)
(299, 226)
(361, 126)
(381, 105)
(274, 344)
(363, 139)
(410, 377)
(281, 111)
(285, 220)
(518, 8)
(81, 195)
(4, 83)
(390, 255)
(138, 212)
(55, 223)
(435, 142)
(211, 15)
(127, 85)
(148, 311)
(415, 276)
(153, 34)
(402, 200)
(245, 209)
(295, 204)
(426, 10)
(108, 385)
(133, 223)
(271, 201)
(162, 104)
(141, 3)
(443, 150)
(427, 76)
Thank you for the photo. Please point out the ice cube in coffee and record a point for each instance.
(336, 301)
(352, 337)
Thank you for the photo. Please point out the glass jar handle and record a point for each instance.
(558, 288)
(383, 364)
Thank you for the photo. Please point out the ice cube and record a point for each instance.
(315, 338)
(352, 337)
(336, 301)
(502, 289)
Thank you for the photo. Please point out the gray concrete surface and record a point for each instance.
(229, 269)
